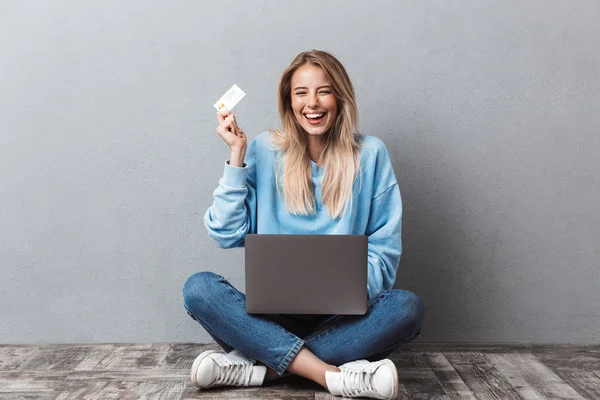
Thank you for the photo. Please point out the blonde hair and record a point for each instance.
(342, 142)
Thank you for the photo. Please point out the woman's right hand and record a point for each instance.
(230, 132)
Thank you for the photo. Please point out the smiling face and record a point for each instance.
(313, 101)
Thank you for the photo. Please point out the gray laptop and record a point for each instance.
(306, 274)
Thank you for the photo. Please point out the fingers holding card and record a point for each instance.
(227, 127)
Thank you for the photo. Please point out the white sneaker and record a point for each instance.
(214, 368)
(361, 378)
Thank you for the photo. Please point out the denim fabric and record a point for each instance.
(392, 318)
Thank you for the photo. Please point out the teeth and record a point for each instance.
(314, 115)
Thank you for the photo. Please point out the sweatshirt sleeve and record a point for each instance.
(384, 231)
(233, 212)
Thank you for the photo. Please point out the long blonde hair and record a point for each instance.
(342, 142)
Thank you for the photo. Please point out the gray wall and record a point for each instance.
(109, 156)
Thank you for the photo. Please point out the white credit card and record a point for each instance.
(230, 99)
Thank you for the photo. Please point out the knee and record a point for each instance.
(198, 289)
(411, 309)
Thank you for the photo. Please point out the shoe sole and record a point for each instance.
(196, 364)
(392, 366)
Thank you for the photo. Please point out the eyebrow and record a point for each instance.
(320, 87)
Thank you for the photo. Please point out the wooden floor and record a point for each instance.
(426, 371)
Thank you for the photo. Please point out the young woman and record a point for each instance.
(317, 175)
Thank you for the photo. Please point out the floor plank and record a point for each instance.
(116, 391)
(12, 356)
(182, 355)
(94, 356)
(134, 357)
(161, 390)
(586, 383)
(481, 376)
(575, 358)
(79, 390)
(450, 380)
(18, 381)
(130, 375)
(530, 378)
(417, 378)
(55, 358)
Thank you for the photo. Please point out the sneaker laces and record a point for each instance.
(236, 373)
(357, 382)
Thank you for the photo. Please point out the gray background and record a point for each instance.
(109, 156)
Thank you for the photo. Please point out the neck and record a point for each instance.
(316, 144)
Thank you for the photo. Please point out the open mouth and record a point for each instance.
(315, 118)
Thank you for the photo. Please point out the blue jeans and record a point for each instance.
(394, 317)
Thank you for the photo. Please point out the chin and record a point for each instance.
(316, 132)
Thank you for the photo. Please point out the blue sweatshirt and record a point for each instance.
(246, 201)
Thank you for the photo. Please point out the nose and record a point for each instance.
(313, 101)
